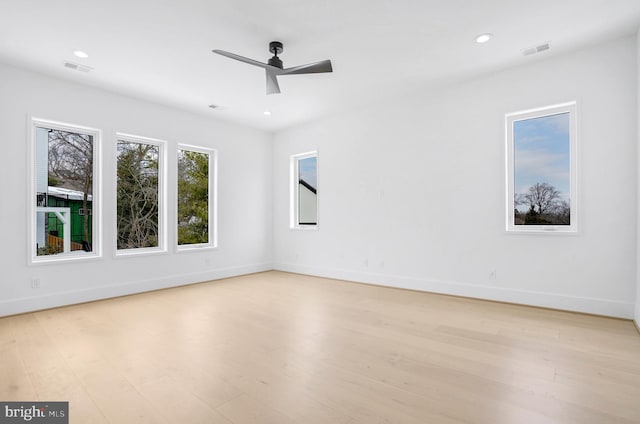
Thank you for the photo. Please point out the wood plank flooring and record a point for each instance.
(278, 348)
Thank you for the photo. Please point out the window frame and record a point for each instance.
(294, 206)
(96, 194)
(162, 197)
(510, 118)
(213, 199)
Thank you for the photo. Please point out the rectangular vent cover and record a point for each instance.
(77, 67)
(536, 49)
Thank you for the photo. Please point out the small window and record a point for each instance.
(196, 198)
(64, 180)
(541, 164)
(304, 190)
(140, 195)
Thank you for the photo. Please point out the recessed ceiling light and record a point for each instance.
(81, 54)
(483, 38)
(267, 113)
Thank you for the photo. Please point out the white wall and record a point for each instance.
(637, 311)
(428, 209)
(245, 198)
(428, 174)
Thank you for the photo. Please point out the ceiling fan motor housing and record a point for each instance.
(275, 61)
(275, 47)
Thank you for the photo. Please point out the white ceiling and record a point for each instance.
(160, 50)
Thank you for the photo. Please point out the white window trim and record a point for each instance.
(162, 198)
(293, 192)
(96, 228)
(213, 200)
(510, 118)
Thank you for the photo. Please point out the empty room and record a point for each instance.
(357, 212)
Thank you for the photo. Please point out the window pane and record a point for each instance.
(193, 197)
(64, 183)
(307, 191)
(137, 197)
(542, 170)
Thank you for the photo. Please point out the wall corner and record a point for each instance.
(637, 305)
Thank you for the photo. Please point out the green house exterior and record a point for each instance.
(74, 203)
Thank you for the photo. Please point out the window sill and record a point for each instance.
(64, 258)
(143, 251)
(543, 231)
(305, 227)
(195, 248)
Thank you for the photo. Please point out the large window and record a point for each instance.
(64, 205)
(304, 190)
(196, 218)
(541, 164)
(140, 195)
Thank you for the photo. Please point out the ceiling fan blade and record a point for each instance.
(310, 68)
(247, 60)
(272, 83)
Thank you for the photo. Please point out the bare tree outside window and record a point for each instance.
(545, 206)
(541, 159)
(64, 184)
(71, 166)
(137, 195)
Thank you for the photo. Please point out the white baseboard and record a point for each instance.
(546, 300)
(587, 305)
(53, 300)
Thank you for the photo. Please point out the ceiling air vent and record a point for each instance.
(536, 49)
(77, 67)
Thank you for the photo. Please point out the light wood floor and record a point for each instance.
(277, 348)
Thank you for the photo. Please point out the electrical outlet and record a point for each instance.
(35, 283)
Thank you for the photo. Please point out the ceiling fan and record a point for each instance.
(274, 67)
